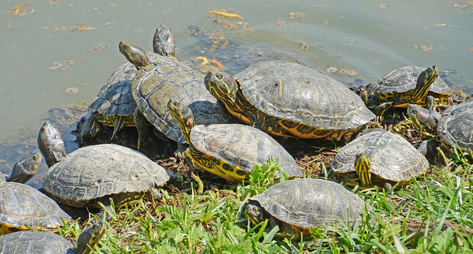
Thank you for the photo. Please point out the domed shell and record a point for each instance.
(404, 79)
(294, 92)
(166, 79)
(242, 146)
(392, 157)
(455, 128)
(23, 207)
(92, 173)
(27, 242)
(306, 203)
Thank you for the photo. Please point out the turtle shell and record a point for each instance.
(241, 146)
(23, 207)
(41, 242)
(305, 203)
(292, 93)
(455, 126)
(154, 85)
(404, 79)
(393, 158)
(94, 173)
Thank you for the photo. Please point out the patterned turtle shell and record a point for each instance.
(456, 125)
(393, 158)
(92, 174)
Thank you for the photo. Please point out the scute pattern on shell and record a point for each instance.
(310, 202)
(294, 92)
(166, 79)
(27, 242)
(96, 171)
(456, 125)
(23, 206)
(392, 157)
(242, 146)
(404, 79)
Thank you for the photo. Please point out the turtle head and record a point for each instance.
(425, 79)
(89, 238)
(222, 86)
(183, 116)
(254, 213)
(25, 168)
(163, 41)
(363, 167)
(134, 54)
(423, 118)
(50, 143)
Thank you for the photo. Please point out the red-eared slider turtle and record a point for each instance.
(158, 81)
(95, 173)
(114, 105)
(454, 127)
(30, 242)
(379, 158)
(406, 85)
(230, 151)
(23, 207)
(297, 205)
(24, 169)
(289, 99)
(50, 143)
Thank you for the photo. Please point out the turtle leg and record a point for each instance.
(141, 127)
(381, 109)
(119, 123)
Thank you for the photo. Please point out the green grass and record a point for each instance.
(411, 220)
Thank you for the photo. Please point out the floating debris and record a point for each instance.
(225, 14)
(82, 27)
(112, 5)
(71, 90)
(204, 60)
(53, 2)
(352, 72)
(110, 23)
(343, 71)
(440, 24)
(326, 22)
(293, 15)
(225, 44)
(424, 48)
(317, 6)
(62, 66)
(166, 11)
(384, 6)
(18, 11)
(303, 45)
(349, 40)
(458, 6)
(99, 47)
(138, 30)
(218, 64)
(469, 49)
(332, 69)
(227, 24)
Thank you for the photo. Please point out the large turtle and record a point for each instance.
(379, 158)
(288, 99)
(230, 151)
(454, 127)
(406, 85)
(297, 205)
(114, 105)
(162, 79)
(32, 242)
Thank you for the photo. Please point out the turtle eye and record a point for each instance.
(219, 75)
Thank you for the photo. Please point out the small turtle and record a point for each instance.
(159, 80)
(230, 151)
(114, 105)
(288, 99)
(406, 85)
(379, 158)
(297, 205)
(453, 127)
(24, 169)
(29, 242)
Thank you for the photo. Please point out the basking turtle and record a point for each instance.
(288, 99)
(406, 85)
(23, 207)
(454, 126)
(29, 242)
(24, 169)
(162, 79)
(379, 158)
(297, 205)
(114, 105)
(50, 143)
(230, 151)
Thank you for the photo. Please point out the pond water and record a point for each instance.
(46, 63)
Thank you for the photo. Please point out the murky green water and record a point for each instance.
(364, 37)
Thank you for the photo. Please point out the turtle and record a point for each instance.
(29, 242)
(50, 143)
(158, 81)
(114, 104)
(379, 158)
(230, 151)
(23, 207)
(297, 205)
(288, 99)
(406, 85)
(24, 169)
(453, 127)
